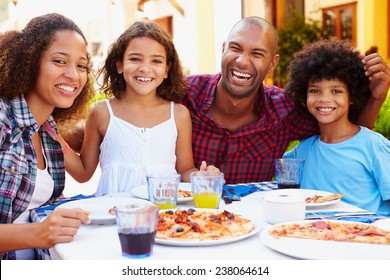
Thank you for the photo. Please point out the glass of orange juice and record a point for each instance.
(206, 187)
(162, 189)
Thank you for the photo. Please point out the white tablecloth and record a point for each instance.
(94, 242)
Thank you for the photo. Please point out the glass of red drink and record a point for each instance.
(137, 224)
(288, 172)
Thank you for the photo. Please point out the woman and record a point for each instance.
(43, 76)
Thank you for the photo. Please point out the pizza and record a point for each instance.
(111, 211)
(332, 230)
(195, 224)
(323, 198)
(183, 193)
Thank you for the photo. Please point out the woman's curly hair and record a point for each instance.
(329, 59)
(20, 54)
(172, 88)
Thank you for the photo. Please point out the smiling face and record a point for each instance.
(328, 101)
(62, 73)
(144, 66)
(248, 56)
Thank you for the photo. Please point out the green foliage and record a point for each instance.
(382, 124)
(292, 145)
(98, 96)
(292, 37)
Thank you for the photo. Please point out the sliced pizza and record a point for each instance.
(323, 198)
(332, 230)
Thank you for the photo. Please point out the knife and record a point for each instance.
(313, 216)
(226, 198)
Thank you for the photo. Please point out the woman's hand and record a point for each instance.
(61, 226)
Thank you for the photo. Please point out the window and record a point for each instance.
(340, 22)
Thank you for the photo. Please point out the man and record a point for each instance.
(239, 125)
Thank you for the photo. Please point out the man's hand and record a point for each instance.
(205, 167)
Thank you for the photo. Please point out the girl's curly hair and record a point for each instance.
(172, 88)
(329, 59)
(20, 54)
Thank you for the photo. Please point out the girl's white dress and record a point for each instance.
(127, 152)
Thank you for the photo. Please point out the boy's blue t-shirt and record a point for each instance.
(358, 167)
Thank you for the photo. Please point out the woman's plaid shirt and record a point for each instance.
(18, 162)
(245, 155)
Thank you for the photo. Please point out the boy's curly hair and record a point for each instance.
(329, 59)
(20, 54)
(172, 88)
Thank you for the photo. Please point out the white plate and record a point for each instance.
(201, 243)
(310, 193)
(142, 192)
(312, 249)
(99, 207)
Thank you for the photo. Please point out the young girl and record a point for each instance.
(43, 76)
(141, 128)
(327, 78)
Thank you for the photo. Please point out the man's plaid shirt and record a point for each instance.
(245, 155)
(18, 168)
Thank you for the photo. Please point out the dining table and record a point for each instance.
(101, 241)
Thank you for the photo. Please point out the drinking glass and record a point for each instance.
(206, 187)
(288, 172)
(162, 188)
(137, 224)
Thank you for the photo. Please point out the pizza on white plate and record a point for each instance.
(323, 198)
(196, 224)
(333, 230)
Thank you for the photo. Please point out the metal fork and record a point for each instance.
(235, 196)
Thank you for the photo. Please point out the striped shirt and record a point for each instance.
(245, 155)
(18, 162)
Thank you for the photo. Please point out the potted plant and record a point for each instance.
(292, 37)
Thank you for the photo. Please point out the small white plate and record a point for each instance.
(142, 192)
(311, 249)
(99, 207)
(310, 193)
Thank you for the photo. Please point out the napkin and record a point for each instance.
(40, 213)
(245, 189)
(370, 218)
